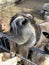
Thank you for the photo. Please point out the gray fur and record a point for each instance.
(25, 35)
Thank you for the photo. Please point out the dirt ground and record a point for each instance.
(7, 11)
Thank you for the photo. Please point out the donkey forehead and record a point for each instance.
(19, 18)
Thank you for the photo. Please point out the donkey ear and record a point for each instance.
(32, 20)
(12, 19)
(30, 16)
(15, 16)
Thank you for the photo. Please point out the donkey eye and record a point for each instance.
(24, 22)
(46, 34)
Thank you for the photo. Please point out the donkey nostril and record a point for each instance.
(24, 22)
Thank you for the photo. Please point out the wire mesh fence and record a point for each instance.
(3, 45)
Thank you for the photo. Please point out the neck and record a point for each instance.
(34, 38)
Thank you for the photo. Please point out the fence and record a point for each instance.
(4, 47)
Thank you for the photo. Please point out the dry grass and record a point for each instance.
(29, 5)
